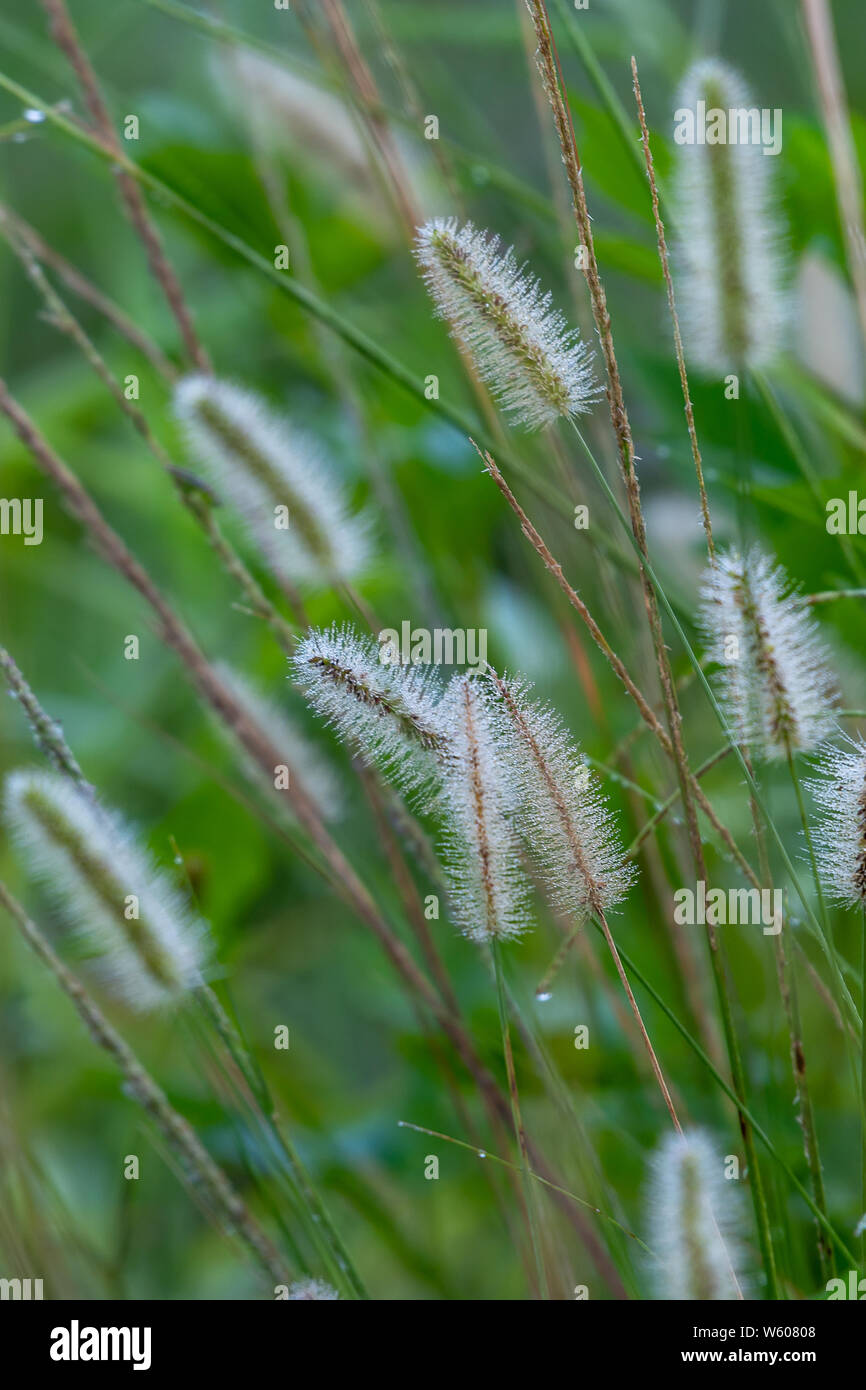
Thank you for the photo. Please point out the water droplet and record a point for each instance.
(34, 116)
(482, 1153)
(177, 859)
(19, 137)
(543, 995)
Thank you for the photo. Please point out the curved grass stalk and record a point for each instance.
(177, 1131)
(65, 36)
(815, 926)
(757, 1128)
(307, 1202)
(312, 1209)
(801, 458)
(838, 979)
(519, 1132)
(196, 498)
(356, 338)
(536, 1177)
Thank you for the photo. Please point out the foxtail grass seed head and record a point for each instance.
(537, 367)
(840, 836)
(307, 767)
(386, 713)
(562, 814)
(729, 233)
(488, 890)
(694, 1222)
(312, 1291)
(277, 479)
(148, 947)
(776, 690)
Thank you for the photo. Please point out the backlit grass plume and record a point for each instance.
(537, 367)
(729, 235)
(147, 945)
(306, 766)
(562, 815)
(776, 690)
(277, 479)
(386, 713)
(489, 892)
(840, 837)
(694, 1220)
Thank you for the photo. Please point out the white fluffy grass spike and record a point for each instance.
(489, 893)
(563, 815)
(537, 367)
(149, 947)
(840, 837)
(277, 479)
(694, 1222)
(729, 236)
(777, 692)
(386, 713)
(312, 1291)
(307, 768)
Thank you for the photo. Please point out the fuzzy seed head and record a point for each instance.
(269, 471)
(840, 837)
(775, 687)
(694, 1222)
(488, 890)
(386, 713)
(536, 366)
(311, 1291)
(307, 767)
(562, 813)
(149, 947)
(729, 235)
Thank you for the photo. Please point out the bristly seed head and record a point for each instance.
(776, 691)
(489, 892)
(562, 814)
(386, 713)
(277, 479)
(536, 366)
(840, 837)
(694, 1222)
(149, 947)
(729, 237)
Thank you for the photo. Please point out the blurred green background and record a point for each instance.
(245, 144)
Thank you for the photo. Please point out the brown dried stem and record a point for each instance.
(843, 154)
